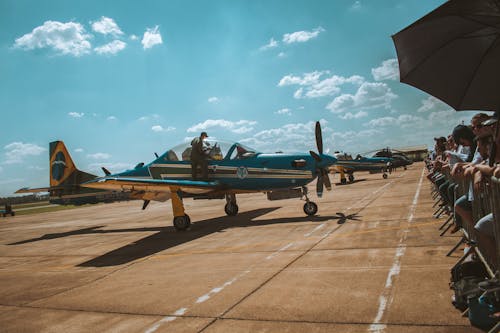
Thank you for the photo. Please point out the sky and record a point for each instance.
(120, 80)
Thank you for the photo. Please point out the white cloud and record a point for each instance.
(349, 115)
(99, 156)
(356, 5)
(289, 138)
(36, 167)
(272, 44)
(301, 36)
(96, 168)
(64, 38)
(369, 95)
(111, 118)
(239, 127)
(111, 48)
(151, 37)
(313, 87)
(306, 80)
(78, 150)
(404, 121)
(144, 118)
(134, 37)
(284, 111)
(76, 114)
(159, 128)
(213, 99)
(281, 55)
(431, 104)
(107, 26)
(17, 151)
(388, 70)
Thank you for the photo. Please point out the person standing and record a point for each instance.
(198, 157)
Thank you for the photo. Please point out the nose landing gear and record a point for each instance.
(310, 208)
(231, 208)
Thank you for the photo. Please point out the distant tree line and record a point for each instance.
(24, 199)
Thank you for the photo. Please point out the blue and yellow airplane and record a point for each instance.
(233, 169)
(347, 165)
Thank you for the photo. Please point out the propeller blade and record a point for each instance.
(106, 171)
(326, 179)
(145, 204)
(319, 138)
(315, 156)
(319, 185)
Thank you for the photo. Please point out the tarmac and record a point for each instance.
(116, 268)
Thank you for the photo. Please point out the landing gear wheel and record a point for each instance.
(181, 223)
(310, 208)
(384, 176)
(406, 168)
(231, 209)
(343, 181)
(351, 178)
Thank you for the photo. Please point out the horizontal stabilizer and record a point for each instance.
(32, 190)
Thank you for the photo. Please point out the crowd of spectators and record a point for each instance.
(465, 168)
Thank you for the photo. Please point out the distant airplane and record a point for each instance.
(398, 157)
(347, 165)
(65, 181)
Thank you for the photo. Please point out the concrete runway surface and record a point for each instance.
(115, 268)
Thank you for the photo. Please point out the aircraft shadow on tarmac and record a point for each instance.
(355, 181)
(167, 237)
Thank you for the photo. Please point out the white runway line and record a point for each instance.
(386, 297)
(217, 290)
(280, 250)
(315, 229)
(167, 319)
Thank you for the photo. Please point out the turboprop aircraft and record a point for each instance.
(347, 165)
(233, 169)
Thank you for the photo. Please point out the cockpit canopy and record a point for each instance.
(214, 149)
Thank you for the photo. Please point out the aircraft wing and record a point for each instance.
(153, 185)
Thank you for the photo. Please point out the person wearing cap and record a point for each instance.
(199, 157)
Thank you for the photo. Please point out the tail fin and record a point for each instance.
(63, 171)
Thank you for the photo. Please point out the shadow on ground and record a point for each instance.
(168, 237)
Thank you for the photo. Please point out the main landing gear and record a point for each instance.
(310, 208)
(231, 208)
(182, 221)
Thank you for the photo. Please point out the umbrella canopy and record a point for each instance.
(453, 53)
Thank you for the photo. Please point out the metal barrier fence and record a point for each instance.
(481, 206)
(495, 207)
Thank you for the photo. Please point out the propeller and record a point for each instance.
(321, 171)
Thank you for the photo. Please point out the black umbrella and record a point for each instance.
(453, 53)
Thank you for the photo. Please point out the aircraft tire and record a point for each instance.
(181, 223)
(351, 178)
(310, 208)
(384, 176)
(343, 181)
(231, 209)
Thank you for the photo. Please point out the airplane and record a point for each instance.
(233, 169)
(399, 158)
(347, 165)
(65, 180)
